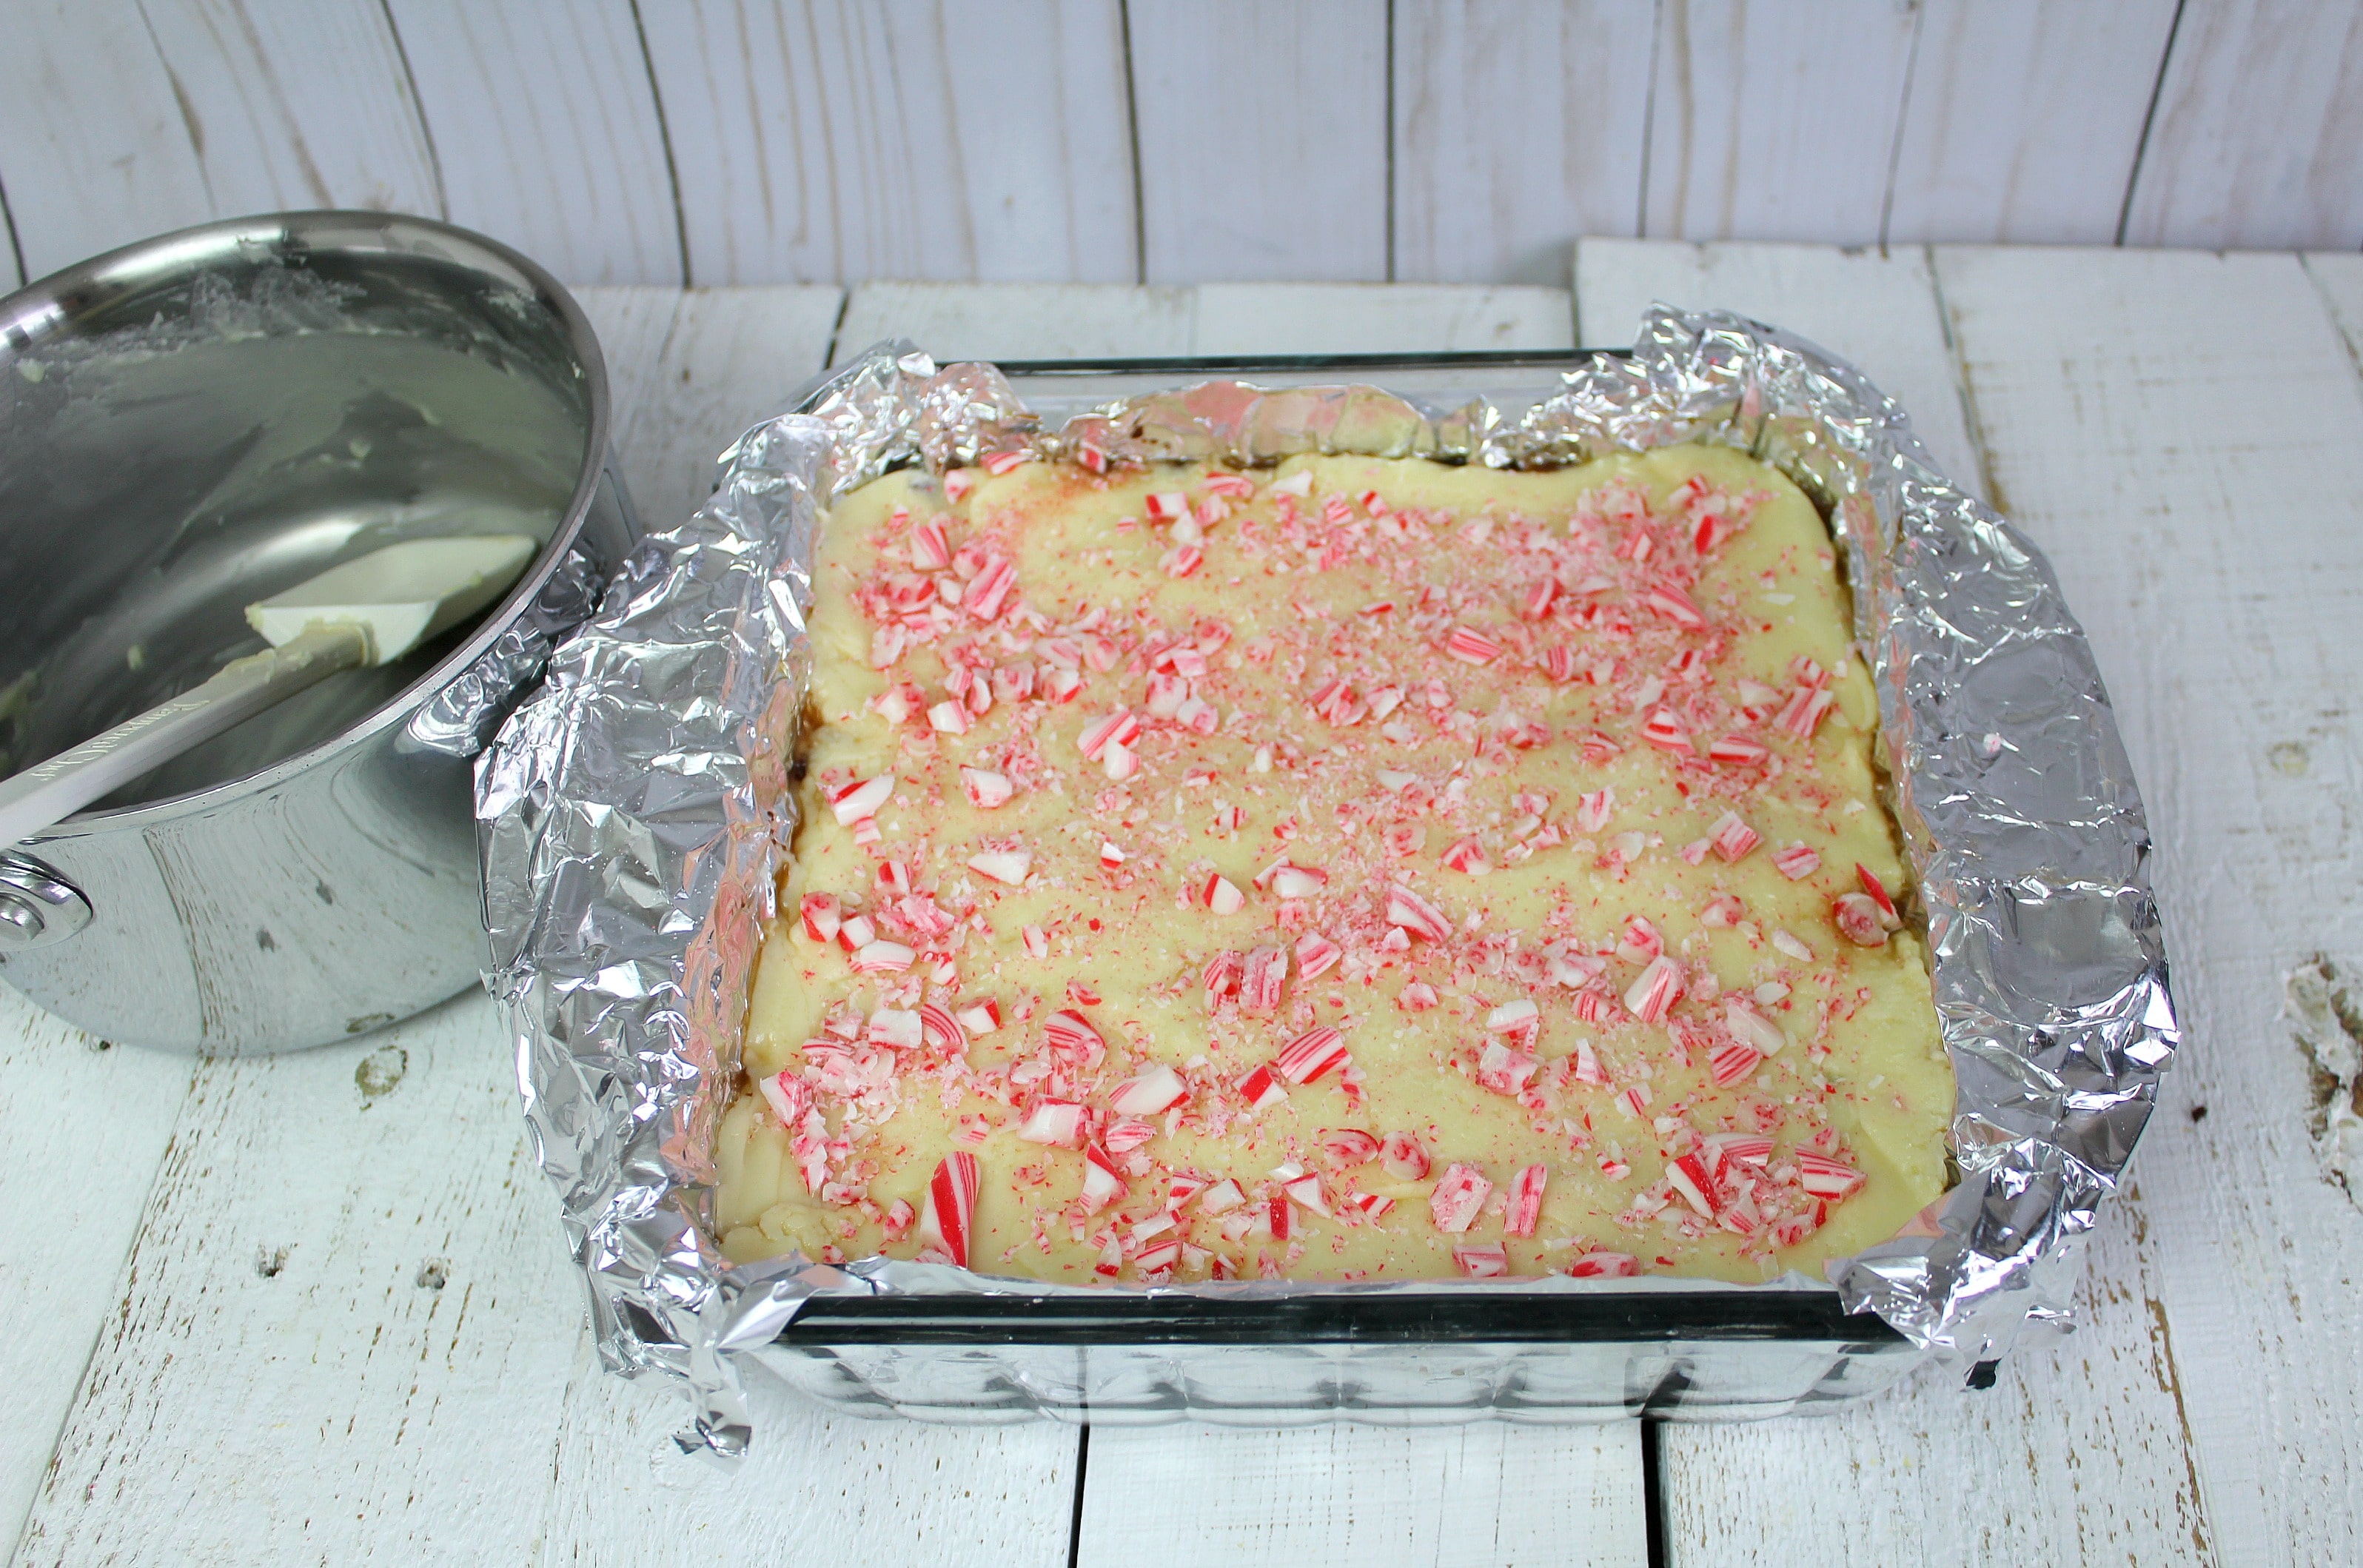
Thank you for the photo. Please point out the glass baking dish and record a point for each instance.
(1401, 1354)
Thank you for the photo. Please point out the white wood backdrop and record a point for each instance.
(1178, 141)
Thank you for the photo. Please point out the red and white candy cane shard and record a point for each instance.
(1222, 1197)
(1467, 855)
(948, 717)
(1587, 1068)
(1640, 940)
(1298, 882)
(989, 594)
(1709, 531)
(1071, 1034)
(1503, 1070)
(1277, 1218)
(1007, 867)
(1598, 747)
(1663, 728)
(1111, 856)
(957, 483)
(1471, 645)
(1372, 1204)
(882, 957)
(1316, 955)
(1688, 1177)
(1520, 1019)
(1742, 1148)
(1675, 605)
(1410, 912)
(1305, 1191)
(1876, 890)
(1000, 463)
(1151, 1093)
(1348, 1146)
(1119, 726)
(931, 550)
(1823, 1177)
(1260, 979)
(1732, 839)
(950, 1217)
(1751, 1028)
(818, 912)
(939, 1029)
(1262, 1089)
(1157, 1258)
(1165, 506)
(1334, 702)
(1102, 1182)
(1732, 1061)
(899, 1028)
(1404, 1156)
(1525, 1201)
(1539, 600)
(1482, 1262)
(1458, 1198)
(1723, 911)
(1237, 486)
(1221, 978)
(900, 1218)
(1797, 862)
(1653, 996)
(1858, 920)
(1419, 996)
(1557, 665)
(1803, 712)
(1183, 560)
(1605, 1266)
(862, 798)
(986, 789)
(1311, 1055)
(1092, 457)
(1120, 760)
(1058, 1122)
(788, 1096)
(855, 932)
(1594, 1007)
(1594, 808)
(1738, 751)
(979, 1018)
(1220, 895)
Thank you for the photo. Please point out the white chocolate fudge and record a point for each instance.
(1361, 869)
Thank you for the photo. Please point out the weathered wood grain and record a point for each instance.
(348, 1323)
(548, 133)
(1262, 134)
(2183, 434)
(2257, 140)
(95, 148)
(1315, 1497)
(945, 139)
(1376, 319)
(1018, 321)
(2024, 120)
(1931, 1474)
(1516, 127)
(1774, 121)
(1876, 311)
(87, 1123)
(898, 1493)
(293, 106)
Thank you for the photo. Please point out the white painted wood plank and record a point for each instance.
(2024, 120)
(896, 1494)
(547, 131)
(1353, 1497)
(62, 1257)
(1371, 318)
(954, 139)
(1958, 1477)
(1875, 311)
(731, 358)
(1774, 121)
(296, 105)
(1516, 127)
(1262, 138)
(348, 1323)
(2338, 277)
(2184, 433)
(1017, 321)
(2258, 136)
(94, 148)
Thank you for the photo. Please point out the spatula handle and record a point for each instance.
(48, 793)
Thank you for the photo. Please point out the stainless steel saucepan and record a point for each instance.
(196, 422)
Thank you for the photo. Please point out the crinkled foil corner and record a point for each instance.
(633, 815)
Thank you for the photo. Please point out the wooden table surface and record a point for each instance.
(316, 1308)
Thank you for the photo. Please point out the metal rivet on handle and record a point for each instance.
(38, 907)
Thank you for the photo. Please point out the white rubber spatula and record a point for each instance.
(370, 610)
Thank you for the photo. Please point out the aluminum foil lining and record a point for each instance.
(633, 812)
